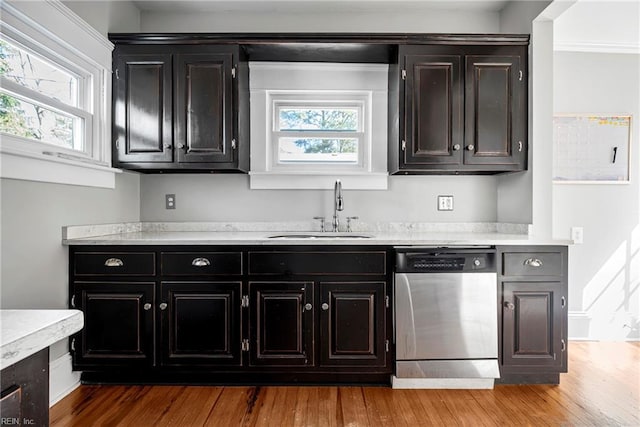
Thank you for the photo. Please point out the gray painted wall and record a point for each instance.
(604, 272)
(108, 16)
(228, 198)
(514, 191)
(34, 262)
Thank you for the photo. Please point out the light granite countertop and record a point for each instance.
(262, 234)
(25, 332)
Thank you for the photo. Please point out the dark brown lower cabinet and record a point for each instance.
(532, 330)
(352, 318)
(200, 323)
(24, 391)
(232, 315)
(533, 281)
(118, 324)
(281, 324)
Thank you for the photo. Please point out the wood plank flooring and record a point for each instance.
(602, 388)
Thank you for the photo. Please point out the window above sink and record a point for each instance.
(315, 122)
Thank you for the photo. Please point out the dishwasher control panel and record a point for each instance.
(416, 260)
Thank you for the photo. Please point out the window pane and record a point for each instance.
(27, 120)
(319, 150)
(33, 72)
(322, 119)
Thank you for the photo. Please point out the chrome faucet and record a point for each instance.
(338, 204)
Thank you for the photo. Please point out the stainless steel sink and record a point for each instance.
(320, 236)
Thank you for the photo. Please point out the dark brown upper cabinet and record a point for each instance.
(461, 109)
(176, 108)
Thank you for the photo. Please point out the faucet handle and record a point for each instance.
(321, 219)
(349, 218)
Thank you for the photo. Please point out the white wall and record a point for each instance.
(604, 272)
(34, 262)
(514, 191)
(108, 16)
(34, 270)
(228, 198)
(323, 17)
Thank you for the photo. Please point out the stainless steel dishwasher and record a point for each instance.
(446, 318)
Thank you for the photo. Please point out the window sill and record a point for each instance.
(31, 166)
(317, 181)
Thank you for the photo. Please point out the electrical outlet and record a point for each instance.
(169, 201)
(445, 203)
(577, 235)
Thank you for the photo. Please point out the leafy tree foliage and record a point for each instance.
(333, 120)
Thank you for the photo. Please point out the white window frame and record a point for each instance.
(361, 100)
(54, 33)
(305, 82)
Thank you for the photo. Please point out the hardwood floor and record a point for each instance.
(602, 388)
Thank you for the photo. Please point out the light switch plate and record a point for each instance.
(577, 235)
(445, 203)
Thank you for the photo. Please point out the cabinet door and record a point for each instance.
(204, 106)
(532, 325)
(495, 111)
(118, 324)
(281, 323)
(433, 111)
(142, 107)
(352, 324)
(200, 323)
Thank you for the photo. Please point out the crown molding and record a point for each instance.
(595, 47)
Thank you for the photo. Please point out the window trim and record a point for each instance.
(361, 99)
(53, 32)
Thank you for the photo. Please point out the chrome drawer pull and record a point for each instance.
(533, 262)
(200, 262)
(113, 262)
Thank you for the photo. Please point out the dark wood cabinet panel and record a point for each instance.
(310, 262)
(533, 318)
(281, 323)
(433, 105)
(142, 105)
(114, 264)
(204, 106)
(201, 263)
(533, 324)
(493, 110)
(352, 324)
(200, 323)
(24, 396)
(463, 109)
(175, 108)
(197, 314)
(118, 324)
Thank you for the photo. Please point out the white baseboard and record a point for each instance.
(615, 326)
(62, 380)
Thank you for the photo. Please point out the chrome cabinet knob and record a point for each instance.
(471, 147)
(456, 147)
(509, 305)
(476, 262)
(163, 306)
(308, 307)
(147, 307)
(325, 306)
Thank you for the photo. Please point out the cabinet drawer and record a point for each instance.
(200, 263)
(532, 264)
(343, 263)
(114, 264)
